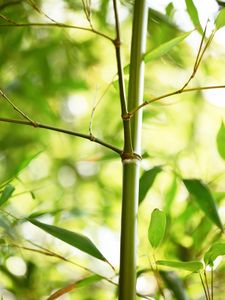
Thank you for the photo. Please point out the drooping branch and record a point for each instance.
(12, 23)
(69, 132)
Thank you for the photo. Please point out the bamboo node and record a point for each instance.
(130, 156)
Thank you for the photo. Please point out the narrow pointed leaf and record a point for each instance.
(165, 47)
(220, 19)
(193, 13)
(214, 251)
(157, 228)
(74, 239)
(192, 266)
(6, 194)
(146, 181)
(161, 50)
(203, 197)
(220, 140)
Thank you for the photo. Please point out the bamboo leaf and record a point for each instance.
(74, 239)
(146, 181)
(193, 13)
(157, 228)
(192, 266)
(174, 284)
(214, 251)
(165, 47)
(220, 19)
(7, 193)
(204, 199)
(161, 50)
(220, 140)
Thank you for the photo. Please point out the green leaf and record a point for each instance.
(192, 266)
(6, 194)
(165, 47)
(146, 181)
(161, 50)
(204, 199)
(214, 251)
(174, 284)
(74, 239)
(169, 9)
(220, 140)
(193, 13)
(157, 228)
(220, 19)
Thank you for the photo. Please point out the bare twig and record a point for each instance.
(69, 132)
(212, 275)
(40, 11)
(199, 57)
(87, 11)
(206, 284)
(204, 288)
(12, 23)
(16, 108)
(186, 90)
(123, 102)
(48, 252)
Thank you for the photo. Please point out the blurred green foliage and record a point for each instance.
(57, 76)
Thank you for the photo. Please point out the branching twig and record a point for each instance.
(87, 11)
(200, 88)
(40, 11)
(199, 57)
(70, 132)
(12, 23)
(48, 252)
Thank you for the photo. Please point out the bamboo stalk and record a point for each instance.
(131, 164)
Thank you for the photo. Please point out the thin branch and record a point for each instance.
(204, 288)
(69, 132)
(16, 108)
(87, 11)
(198, 58)
(97, 103)
(12, 23)
(40, 11)
(123, 102)
(200, 88)
(212, 275)
(117, 44)
(48, 252)
(206, 284)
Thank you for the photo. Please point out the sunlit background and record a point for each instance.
(58, 76)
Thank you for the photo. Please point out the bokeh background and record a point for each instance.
(57, 76)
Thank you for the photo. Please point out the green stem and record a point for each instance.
(89, 137)
(131, 165)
